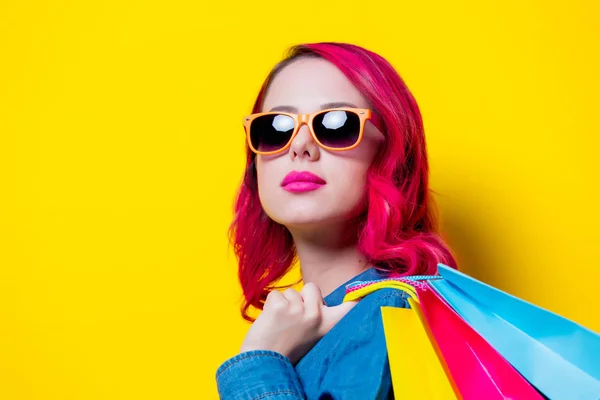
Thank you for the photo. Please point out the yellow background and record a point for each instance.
(121, 148)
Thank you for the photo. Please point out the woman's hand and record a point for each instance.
(291, 322)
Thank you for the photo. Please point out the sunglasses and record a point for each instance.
(334, 129)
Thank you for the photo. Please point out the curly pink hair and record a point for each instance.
(399, 230)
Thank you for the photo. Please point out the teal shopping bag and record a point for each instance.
(559, 357)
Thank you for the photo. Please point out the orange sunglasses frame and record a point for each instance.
(299, 119)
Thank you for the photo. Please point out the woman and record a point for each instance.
(337, 176)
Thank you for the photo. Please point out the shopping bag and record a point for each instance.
(472, 367)
(417, 371)
(479, 371)
(557, 356)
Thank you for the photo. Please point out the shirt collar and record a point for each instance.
(337, 296)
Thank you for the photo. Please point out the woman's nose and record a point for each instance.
(304, 145)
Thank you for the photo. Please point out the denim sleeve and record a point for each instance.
(258, 374)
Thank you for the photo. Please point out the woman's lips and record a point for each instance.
(301, 186)
(303, 181)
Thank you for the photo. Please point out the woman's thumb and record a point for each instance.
(332, 315)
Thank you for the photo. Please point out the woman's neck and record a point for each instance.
(329, 258)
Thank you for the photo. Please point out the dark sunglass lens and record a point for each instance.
(271, 132)
(337, 128)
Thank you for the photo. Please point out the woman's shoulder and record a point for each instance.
(374, 287)
(367, 312)
(355, 347)
(387, 296)
(378, 292)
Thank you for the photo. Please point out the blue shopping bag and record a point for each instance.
(559, 357)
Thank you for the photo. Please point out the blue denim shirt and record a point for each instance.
(349, 362)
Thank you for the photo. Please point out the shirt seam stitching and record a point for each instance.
(240, 359)
(290, 392)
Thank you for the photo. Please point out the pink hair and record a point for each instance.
(398, 233)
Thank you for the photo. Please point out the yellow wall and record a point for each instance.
(116, 281)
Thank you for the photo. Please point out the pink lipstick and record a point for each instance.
(304, 181)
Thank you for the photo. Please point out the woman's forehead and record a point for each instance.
(308, 83)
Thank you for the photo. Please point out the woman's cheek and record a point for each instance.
(351, 188)
(269, 190)
(267, 194)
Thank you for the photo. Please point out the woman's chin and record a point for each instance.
(312, 221)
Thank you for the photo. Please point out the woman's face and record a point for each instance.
(304, 86)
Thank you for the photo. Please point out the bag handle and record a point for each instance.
(408, 284)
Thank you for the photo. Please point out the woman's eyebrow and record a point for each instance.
(335, 104)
